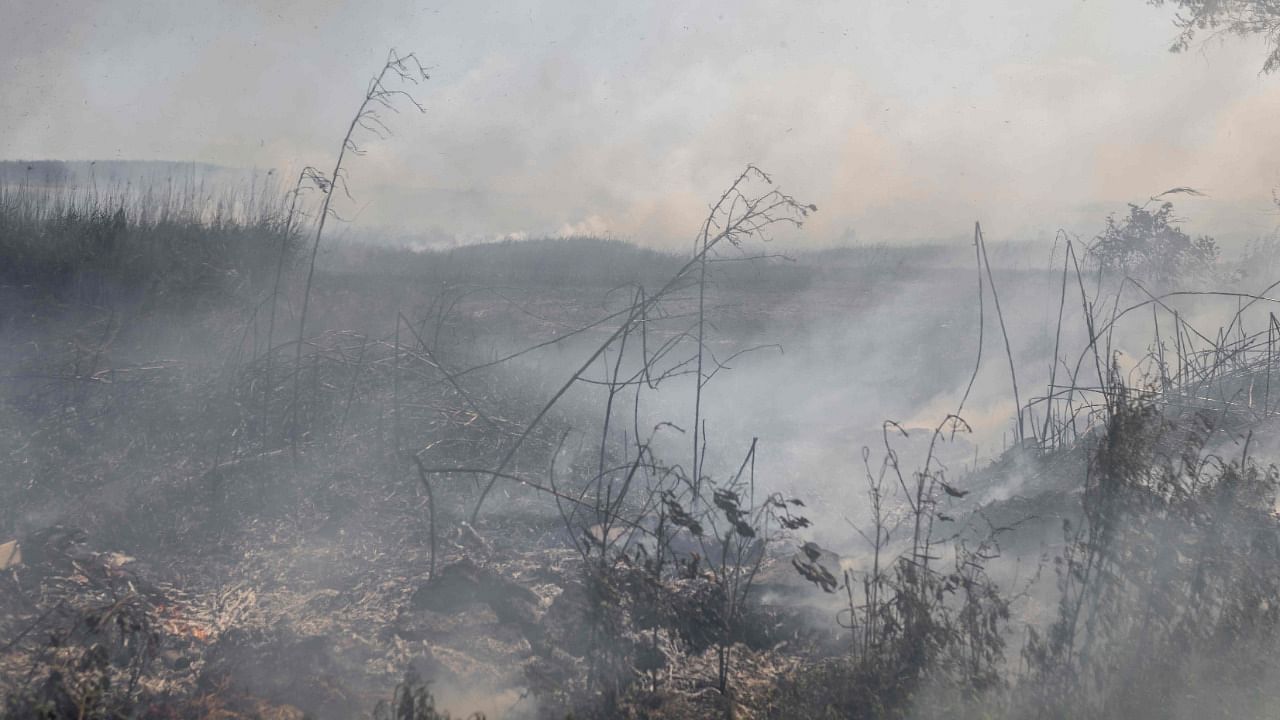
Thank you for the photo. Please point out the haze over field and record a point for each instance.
(906, 121)
(822, 360)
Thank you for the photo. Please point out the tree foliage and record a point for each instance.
(1245, 18)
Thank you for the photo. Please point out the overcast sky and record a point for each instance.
(900, 120)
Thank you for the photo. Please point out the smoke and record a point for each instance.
(545, 115)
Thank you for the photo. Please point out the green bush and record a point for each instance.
(1146, 245)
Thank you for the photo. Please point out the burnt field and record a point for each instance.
(576, 477)
(167, 515)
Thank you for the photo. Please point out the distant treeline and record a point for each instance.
(569, 261)
(575, 260)
(605, 262)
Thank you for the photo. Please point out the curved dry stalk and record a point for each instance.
(735, 217)
(406, 68)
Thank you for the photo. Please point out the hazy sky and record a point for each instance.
(899, 119)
